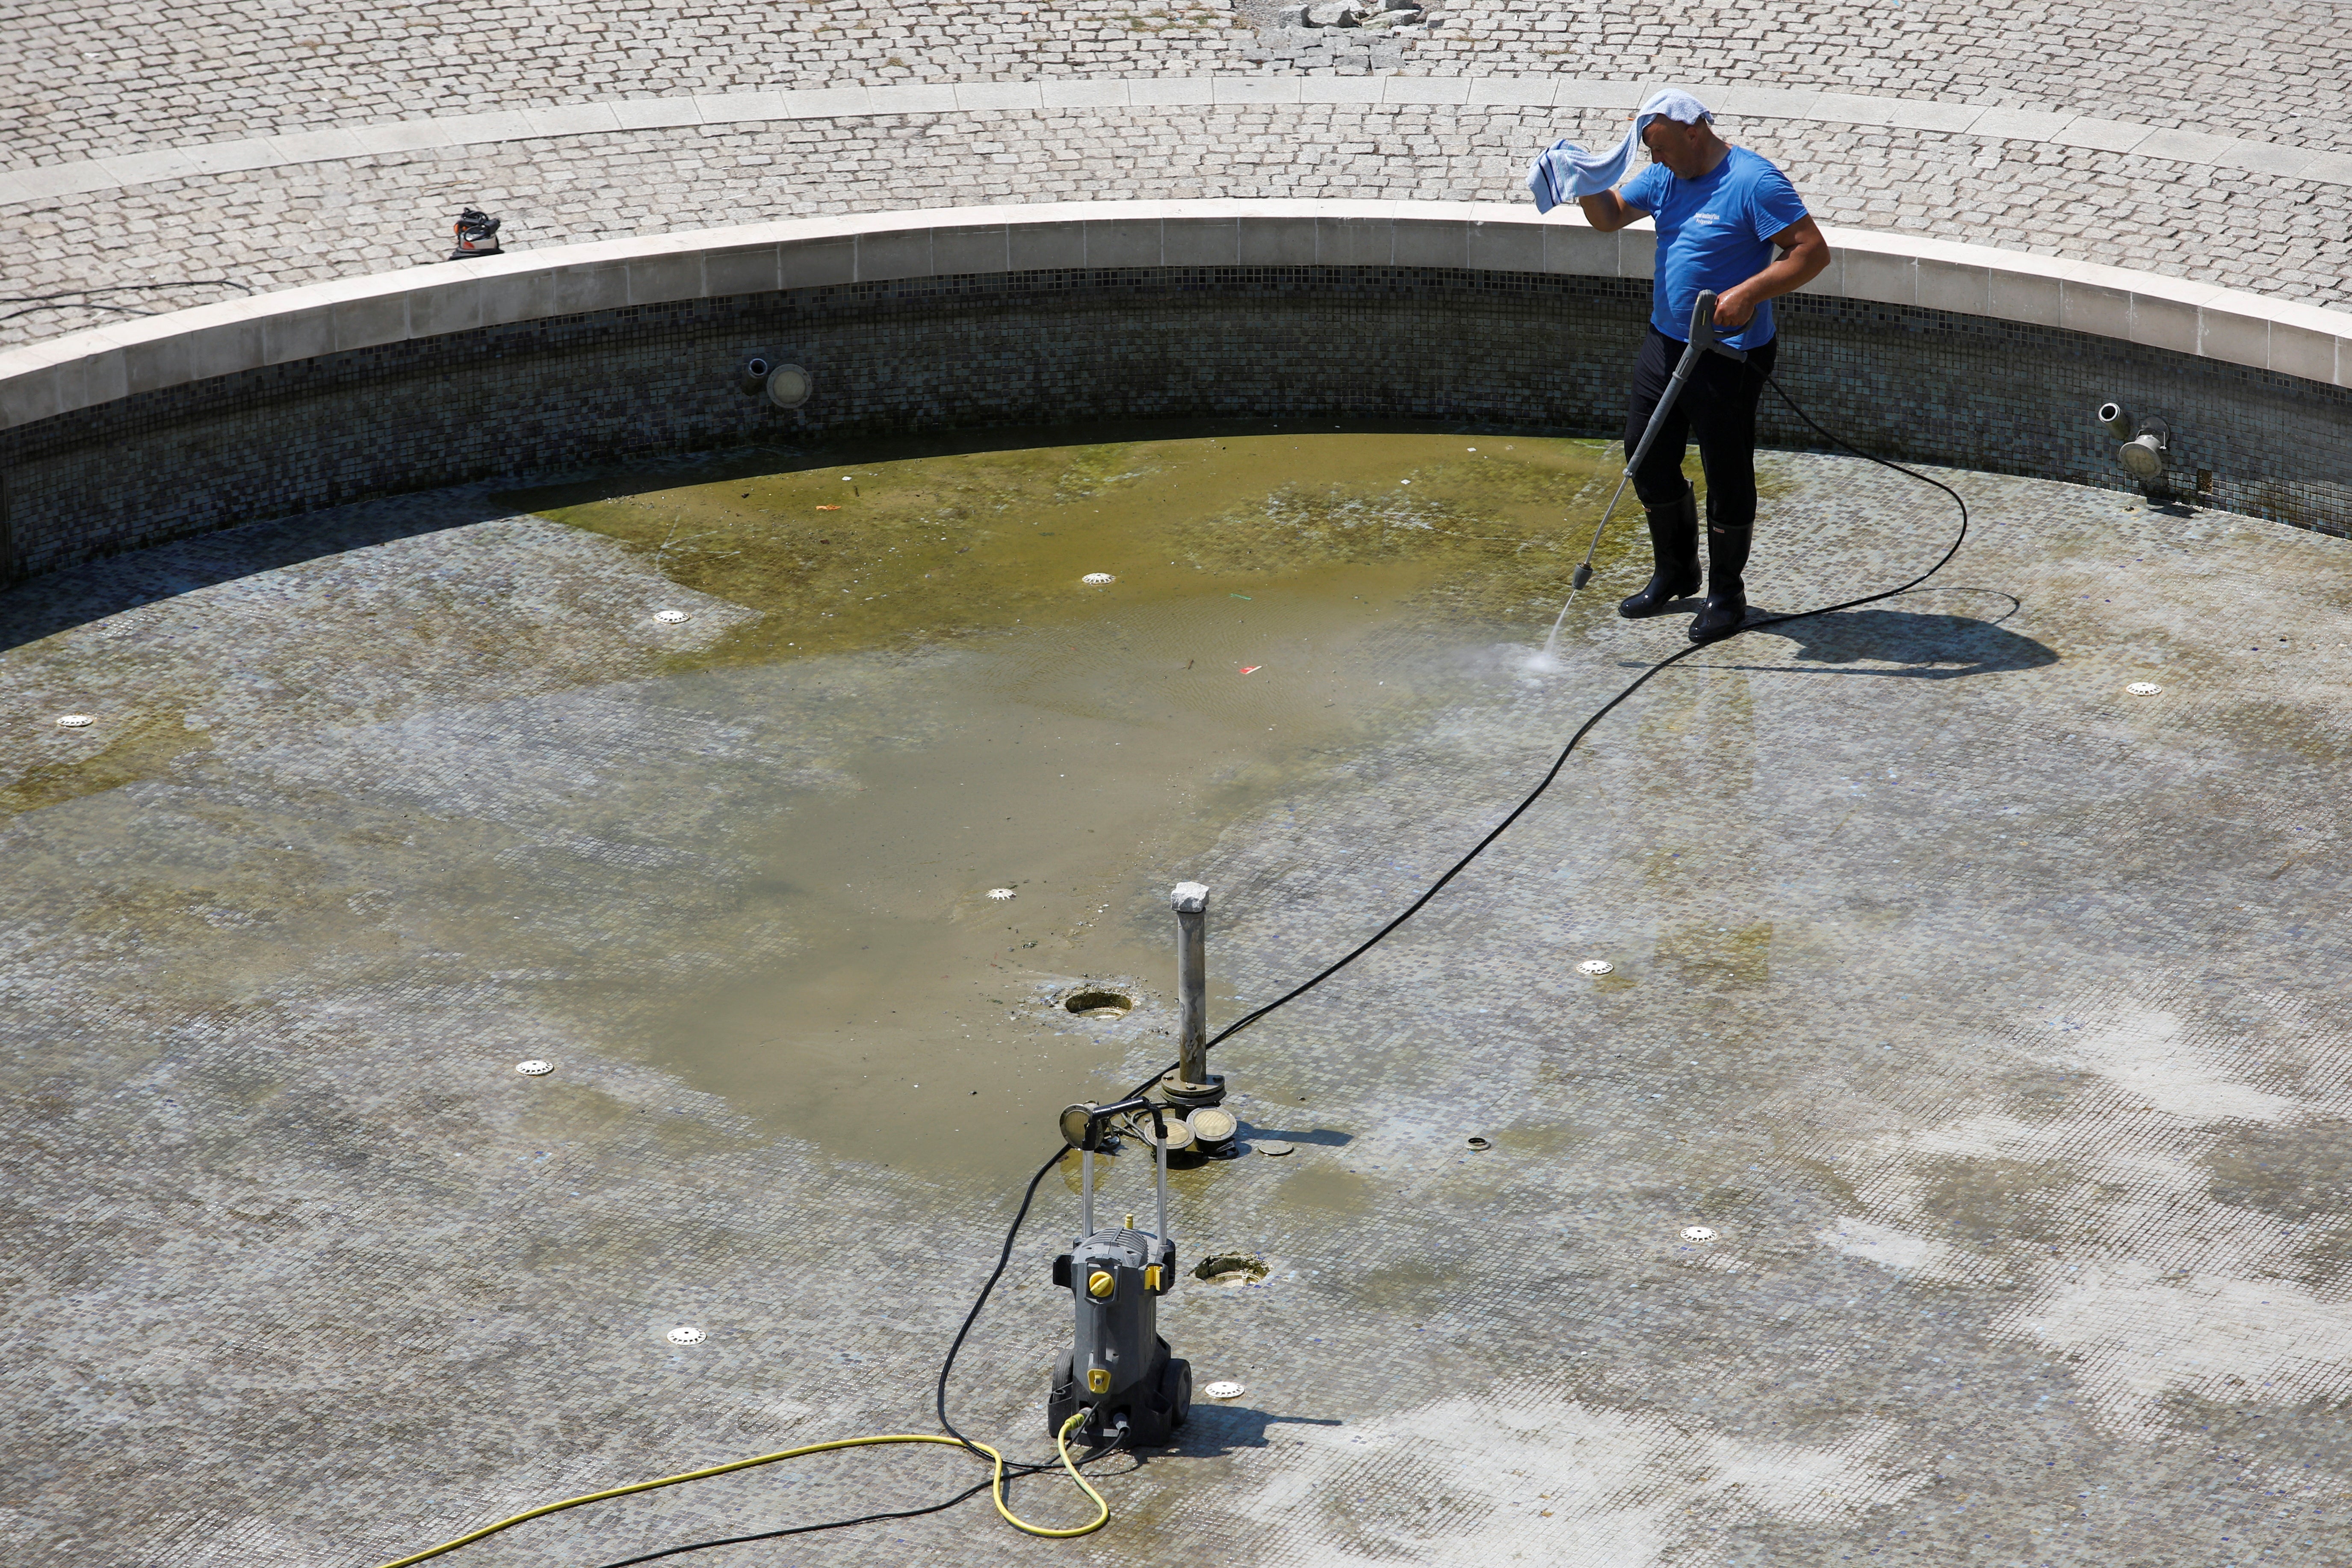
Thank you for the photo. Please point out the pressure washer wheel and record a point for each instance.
(1062, 1403)
(1176, 1390)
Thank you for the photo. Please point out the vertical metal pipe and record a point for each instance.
(1191, 902)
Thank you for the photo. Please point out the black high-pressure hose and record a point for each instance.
(1029, 1194)
(78, 299)
(1246, 1020)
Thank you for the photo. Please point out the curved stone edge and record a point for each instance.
(51, 181)
(61, 375)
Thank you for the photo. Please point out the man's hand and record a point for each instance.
(1803, 253)
(1735, 307)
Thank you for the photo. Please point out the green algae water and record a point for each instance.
(441, 747)
(889, 545)
(1277, 602)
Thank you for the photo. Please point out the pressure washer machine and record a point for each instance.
(1118, 1370)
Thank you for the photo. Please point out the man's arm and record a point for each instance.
(1803, 253)
(1609, 212)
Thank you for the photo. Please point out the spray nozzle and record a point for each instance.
(1583, 576)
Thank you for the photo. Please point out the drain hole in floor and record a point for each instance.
(1229, 1269)
(1099, 1003)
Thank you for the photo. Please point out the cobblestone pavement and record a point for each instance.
(274, 229)
(2274, 72)
(110, 78)
(98, 77)
(91, 77)
(1989, 1015)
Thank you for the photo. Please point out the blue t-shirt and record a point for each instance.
(1713, 233)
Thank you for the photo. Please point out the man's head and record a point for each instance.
(1689, 149)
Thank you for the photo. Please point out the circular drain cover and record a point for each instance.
(1697, 1233)
(685, 1334)
(2143, 689)
(1179, 1133)
(1480, 1145)
(1595, 966)
(999, 894)
(1213, 1126)
(670, 617)
(534, 1067)
(75, 721)
(1273, 1146)
(1223, 1390)
(1097, 579)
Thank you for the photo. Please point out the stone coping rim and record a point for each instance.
(80, 370)
(50, 182)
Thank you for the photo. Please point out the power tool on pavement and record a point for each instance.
(1118, 1370)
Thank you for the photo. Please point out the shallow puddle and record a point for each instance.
(903, 543)
(1279, 602)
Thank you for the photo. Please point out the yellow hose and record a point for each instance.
(1061, 1443)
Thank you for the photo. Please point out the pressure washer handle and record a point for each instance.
(1702, 331)
(1701, 341)
(1160, 1137)
(1702, 322)
(1083, 1127)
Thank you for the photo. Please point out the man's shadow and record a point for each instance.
(1920, 645)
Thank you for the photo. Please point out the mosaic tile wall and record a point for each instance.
(1504, 352)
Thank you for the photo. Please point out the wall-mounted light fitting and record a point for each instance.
(789, 386)
(2143, 455)
(2147, 445)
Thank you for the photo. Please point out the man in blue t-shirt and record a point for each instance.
(1722, 214)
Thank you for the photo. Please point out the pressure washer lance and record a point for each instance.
(1118, 1370)
(1701, 341)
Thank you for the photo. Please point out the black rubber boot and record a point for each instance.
(1725, 609)
(1673, 545)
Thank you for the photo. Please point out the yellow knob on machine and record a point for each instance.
(1100, 1284)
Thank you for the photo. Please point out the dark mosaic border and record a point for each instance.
(1530, 353)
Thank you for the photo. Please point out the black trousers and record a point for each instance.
(1718, 404)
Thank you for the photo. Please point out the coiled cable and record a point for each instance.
(1061, 1442)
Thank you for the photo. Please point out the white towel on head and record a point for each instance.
(1565, 170)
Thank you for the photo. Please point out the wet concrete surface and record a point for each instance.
(1984, 1012)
